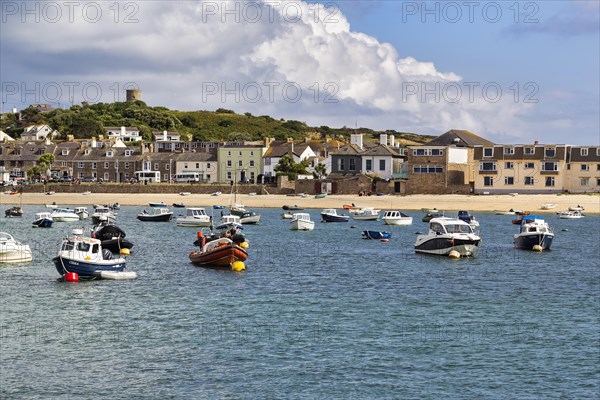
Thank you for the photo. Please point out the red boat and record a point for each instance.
(220, 252)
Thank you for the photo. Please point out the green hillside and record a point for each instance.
(86, 121)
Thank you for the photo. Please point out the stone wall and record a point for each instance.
(151, 188)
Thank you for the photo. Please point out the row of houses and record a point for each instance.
(457, 161)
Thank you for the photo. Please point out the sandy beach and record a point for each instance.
(591, 203)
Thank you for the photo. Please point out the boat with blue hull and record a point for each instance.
(534, 234)
(377, 235)
(331, 215)
(43, 220)
(86, 257)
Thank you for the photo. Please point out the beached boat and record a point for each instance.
(86, 257)
(576, 208)
(534, 234)
(178, 205)
(64, 215)
(321, 196)
(216, 194)
(12, 251)
(292, 208)
(111, 237)
(570, 214)
(377, 235)
(184, 193)
(86, 193)
(195, 216)
(302, 222)
(43, 220)
(103, 214)
(82, 212)
(366, 214)
(548, 206)
(159, 214)
(446, 235)
(331, 215)
(393, 217)
(221, 252)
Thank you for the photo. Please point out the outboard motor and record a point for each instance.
(107, 254)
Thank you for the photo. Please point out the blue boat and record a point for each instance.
(157, 204)
(43, 220)
(376, 235)
(85, 256)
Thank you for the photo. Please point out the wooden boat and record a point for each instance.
(220, 252)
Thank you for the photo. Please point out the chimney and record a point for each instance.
(94, 141)
(70, 138)
(123, 131)
(536, 142)
(47, 142)
(357, 139)
(383, 139)
(290, 140)
(165, 135)
(100, 137)
(392, 141)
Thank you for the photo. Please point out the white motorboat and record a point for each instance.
(249, 218)
(509, 212)
(576, 208)
(331, 215)
(366, 214)
(12, 251)
(302, 222)
(195, 216)
(64, 215)
(534, 234)
(548, 206)
(103, 214)
(393, 217)
(82, 212)
(229, 222)
(570, 214)
(447, 235)
(52, 206)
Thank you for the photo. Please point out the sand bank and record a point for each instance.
(591, 203)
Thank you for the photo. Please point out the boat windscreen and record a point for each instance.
(458, 228)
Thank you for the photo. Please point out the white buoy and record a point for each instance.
(537, 247)
(454, 254)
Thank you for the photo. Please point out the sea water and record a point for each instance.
(320, 315)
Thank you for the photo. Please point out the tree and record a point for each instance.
(287, 165)
(320, 171)
(44, 163)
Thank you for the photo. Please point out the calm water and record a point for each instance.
(320, 314)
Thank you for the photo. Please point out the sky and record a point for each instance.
(510, 71)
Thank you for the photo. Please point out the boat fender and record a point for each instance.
(106, 254)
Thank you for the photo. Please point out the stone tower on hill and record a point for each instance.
(133, 95)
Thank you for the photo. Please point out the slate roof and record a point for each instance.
(466, 139)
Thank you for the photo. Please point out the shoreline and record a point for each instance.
(445, 202)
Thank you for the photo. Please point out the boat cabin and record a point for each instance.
(301, 216)
(442, 226)
(85, 249)
(195, 212)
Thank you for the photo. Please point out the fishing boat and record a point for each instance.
(447, 235)
(159, 214)
(195, 216)
(366, 214)
(43, 220)
(221, 252)
(548, 206)
(331, 215)
(82, 212)
(468, 218)
(14, 212)
(302, 222)
(161, 204)
(87, 258)
(12, 251)
(393, 217)
(102, 212)
(377, 235)
(576, 208)
(229, 222)
(249, 218)
(429, 216)
(534, 234)
(111, 237)
(570, 214)
(294, 207)
(64, 215)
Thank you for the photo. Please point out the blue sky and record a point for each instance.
(385, 64)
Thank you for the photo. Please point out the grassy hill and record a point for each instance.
(86, 121)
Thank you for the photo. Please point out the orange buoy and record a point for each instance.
(384, 240)
(199, 234)
(71, 277)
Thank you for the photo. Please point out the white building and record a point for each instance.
(38, 132)
(126, 134)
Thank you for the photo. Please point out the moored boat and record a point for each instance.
(468, 218)
(446, 235)
(43, 220)
(64, 215)
(14, 212)
(159, 214)
(534, 234)
(111, 237)
(302, 222)
(103, 214)
(570, 214)
(366, 214)
(82, 212)
(292, 207)
(195, 216)
(221, 252)
(249, 218)
(229, 222)
(331, 215)
(429, 216)
(161, 204)
(394, 217)
(377, 235)
(12, 251)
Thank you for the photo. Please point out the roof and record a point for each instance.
(465, 139)
(380, 150)
(281, 148)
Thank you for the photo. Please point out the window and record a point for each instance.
(509, 150)
(382, 165)
(156, 167)
(229, 176)
(116, 164)
(80, 165)
(341, 164)
(63, 164)
(529, 165)
(584, 181)
(584, 151)
(550, 166)
(550, 151)
(229, 163)
(80, 175)
(509, 165)
(428, 169)
(487, 166)
(240, 153)
(251, 153)
(229, 153)
(252, 163)
(529, 180)
(597, 181)
(126, 165)
(549, 181)
(106, 165)
(585, 167)
(185, 165)
(94, 165)
(86, 152)
(167, 167)
(197, 165)
(529, 151)
(239, 163)
(208, 164)
(126, 176)
(128, 153)
(428, 152)
(109, 154)
(509, 180)
(106, 177)
(488, 181)
(369, 165)
(488, 152)
(352, 164)
(252, 176)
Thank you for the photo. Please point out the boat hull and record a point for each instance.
(84, 269)
(193, 222)
(254, 219)
(334, 218)
(444, 245)
(17, 256)
(43, 223)
(220, 256)
(398, 221)
(155, 218)
(302, 225)
(365, 217)
(377, 235)
(527, 242)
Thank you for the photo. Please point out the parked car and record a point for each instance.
(88, 179)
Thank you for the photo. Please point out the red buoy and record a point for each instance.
(71, 277)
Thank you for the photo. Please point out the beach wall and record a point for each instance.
(151, 188)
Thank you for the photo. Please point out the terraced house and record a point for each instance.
(583, 169)
(240, 162)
